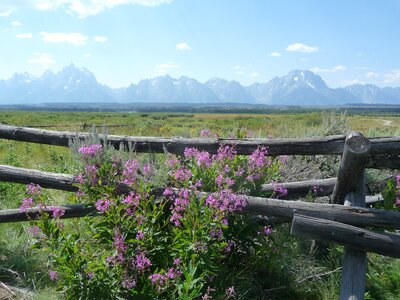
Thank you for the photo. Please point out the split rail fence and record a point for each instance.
(345, 220)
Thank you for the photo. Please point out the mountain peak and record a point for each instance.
(298, 87)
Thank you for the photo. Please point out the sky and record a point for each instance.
(124, 41)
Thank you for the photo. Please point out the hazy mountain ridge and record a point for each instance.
(299, 87)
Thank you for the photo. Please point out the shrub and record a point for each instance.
(188, 242)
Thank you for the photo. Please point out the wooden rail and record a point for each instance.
(284, 209)
(354, 237)
(65, 182)
(381, 148)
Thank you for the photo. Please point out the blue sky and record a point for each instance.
(123, 41)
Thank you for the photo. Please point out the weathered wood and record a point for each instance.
(307, 146)
(357, 238)
(44, 179)
(383, 161)
(354, 270)
(283, 209)
(64, 182)
(354, 264)
(71, 211)
(352, 166)
(310, 146)
(57, 181)
(303, 188)
(359, 216)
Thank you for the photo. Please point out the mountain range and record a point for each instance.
(299, 87)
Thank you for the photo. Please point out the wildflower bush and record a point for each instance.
(188, 241)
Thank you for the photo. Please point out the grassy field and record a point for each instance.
(22, 266)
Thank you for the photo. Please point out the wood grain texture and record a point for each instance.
(358, 238)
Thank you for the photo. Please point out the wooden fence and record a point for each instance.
(345, 220)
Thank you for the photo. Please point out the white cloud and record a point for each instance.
(303, 59)
(26, 35)
(87, 55)
(239, 72)
(74, 38)
(183, 46)
(299, 47)
(359, 54)
(335, 69)
(81, 8)
(43, 59)
(371, 75)
(392, 77)
(275, 54)
(165, 67)
(254, 74)
(6, 13)
(16, 23)
(100, 38)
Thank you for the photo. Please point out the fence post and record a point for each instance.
(352, 165)
(349, 190)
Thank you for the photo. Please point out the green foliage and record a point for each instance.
(183, 245)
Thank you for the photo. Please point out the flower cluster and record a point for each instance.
(90, 151)
(185, 244)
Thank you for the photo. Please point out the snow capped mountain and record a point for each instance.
(229, 91)
(168, 89)
(372, 94)
(71, 84)
(299, 87)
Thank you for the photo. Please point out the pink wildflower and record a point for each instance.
(132, 199)
(205, 133)
(129, 283)
(230, 292)
(33, 189)
(142, 263)
(130, 171)
(158, 279)
(57, 212)
(279, 190)
(35, 230)
(267, 230)
(146, 169)
(90, 150)
(140, 235)
(226, 152)
(26, 203)
(182, 174)
(103, 205)
(53, 275)
(119, 243)
(168, 192)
